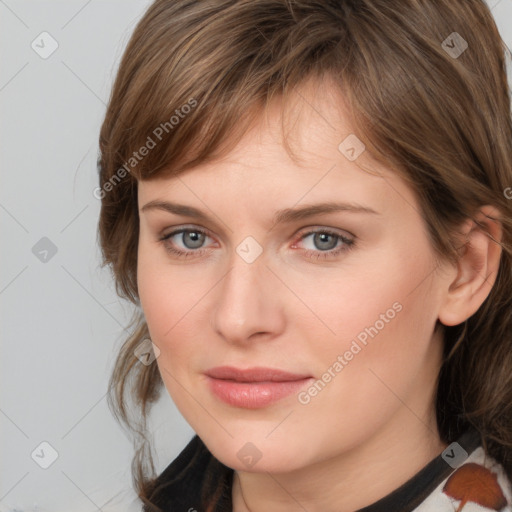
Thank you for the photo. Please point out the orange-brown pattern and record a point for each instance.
(475, 483)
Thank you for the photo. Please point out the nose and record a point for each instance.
(248, 302)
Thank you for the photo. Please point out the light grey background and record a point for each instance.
(61, 320)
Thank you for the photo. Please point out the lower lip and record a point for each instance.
(254, 395)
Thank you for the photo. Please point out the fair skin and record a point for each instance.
(373, 425)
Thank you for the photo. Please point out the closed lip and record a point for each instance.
(255, 374)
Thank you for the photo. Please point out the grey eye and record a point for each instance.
(192, 239)
(321, 241)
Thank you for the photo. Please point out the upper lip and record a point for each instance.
(255, 374)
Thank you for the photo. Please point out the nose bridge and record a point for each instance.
(246, 300)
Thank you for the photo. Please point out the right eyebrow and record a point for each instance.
(176, 208)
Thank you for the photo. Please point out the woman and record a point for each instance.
(307, 201)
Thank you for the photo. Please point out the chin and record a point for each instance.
(256, 454)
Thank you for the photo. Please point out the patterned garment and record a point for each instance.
(477, 485)
(462, 479)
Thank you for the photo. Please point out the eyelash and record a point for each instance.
(348, 244)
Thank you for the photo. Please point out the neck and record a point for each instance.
(347, 481)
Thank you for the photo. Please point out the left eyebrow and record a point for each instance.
(294, 214)
(287, 215)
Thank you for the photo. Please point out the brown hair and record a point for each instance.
(437, 114)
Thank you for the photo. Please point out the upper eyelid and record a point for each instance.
(180, 229)
(313, 227)
(320, 229)
(302, 233)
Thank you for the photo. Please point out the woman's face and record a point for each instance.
(346, 297)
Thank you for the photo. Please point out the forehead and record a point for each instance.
(332, 162)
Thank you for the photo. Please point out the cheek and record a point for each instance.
(364, 299)
(166, 303)
(174, 303)
(173, 300)
(166, 291)
(381, 353)
(379, 315)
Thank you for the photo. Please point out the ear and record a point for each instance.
(477, 267)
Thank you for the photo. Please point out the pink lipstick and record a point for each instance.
(253, 388)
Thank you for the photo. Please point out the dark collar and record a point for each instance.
(179, 486)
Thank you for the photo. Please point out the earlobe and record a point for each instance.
(477, 267)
